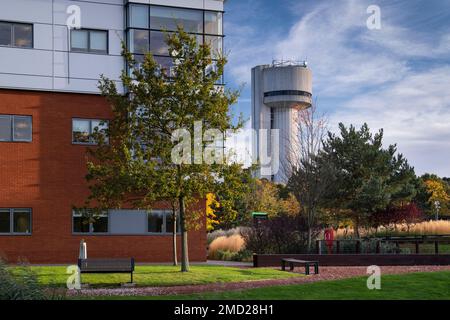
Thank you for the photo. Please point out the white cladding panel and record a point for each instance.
(47, 66)
(26, 61)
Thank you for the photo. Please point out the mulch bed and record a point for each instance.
(326, 273)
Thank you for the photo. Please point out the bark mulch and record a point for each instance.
(326, 273)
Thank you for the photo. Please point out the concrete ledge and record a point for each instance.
(274, 260)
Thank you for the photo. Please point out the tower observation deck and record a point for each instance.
(279, 91)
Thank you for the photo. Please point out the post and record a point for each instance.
(338, 246)
(358, 246)
(436, 247)
(417, 247)
(319, 251)
(378, 249)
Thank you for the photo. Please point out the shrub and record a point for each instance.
(234, 243)
(22, 285)
(280, 234)
(223, 233)
(226, 255)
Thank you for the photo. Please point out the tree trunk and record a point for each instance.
(309, 239)
(174, 231)
(184, 237)
(356, 227)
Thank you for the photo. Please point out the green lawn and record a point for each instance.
(422, 286)
(162, 276)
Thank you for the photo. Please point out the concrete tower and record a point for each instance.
(279, 91)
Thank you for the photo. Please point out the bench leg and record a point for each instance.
(307, 269)
(292, 266)
(316, 268)
(283, 266)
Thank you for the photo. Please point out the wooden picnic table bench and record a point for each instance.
(305, 263)
(107, 266)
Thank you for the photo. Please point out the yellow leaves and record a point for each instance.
(211, 217)
(438, 191)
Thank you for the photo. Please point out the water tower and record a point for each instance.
(279, 91)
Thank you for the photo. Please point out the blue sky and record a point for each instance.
(396, 78)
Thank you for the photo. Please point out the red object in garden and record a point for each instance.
(329, 238)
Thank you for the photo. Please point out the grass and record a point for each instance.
(160, 276)
(413, 286)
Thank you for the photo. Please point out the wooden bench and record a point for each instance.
(305, 263)
(107, 266)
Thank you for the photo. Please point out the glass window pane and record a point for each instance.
(79, 40)
(100, 224)
(5, 128)
(155, 222)
(158, 43)
(169, 222)
(99, 126)
(168, 18)
(22, 221)
(5, 34)
(139, 41)
(138, 16)
(22, 128)
(81, 131)
(99, 41)
(216, 45)
(4, 221)
(213, 22)
(23, 35)
(80, 224)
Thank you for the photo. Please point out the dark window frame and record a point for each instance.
(14, 23)
(91, 142)
(11, 222)
(128, 29)
(165, 214)
(89, 50)
(12, 118)
(91, 231)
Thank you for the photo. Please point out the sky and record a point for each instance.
(396, 77)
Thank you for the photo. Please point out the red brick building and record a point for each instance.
(46, 177)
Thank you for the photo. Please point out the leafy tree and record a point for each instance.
(265, 197)
(310, 176)
(149, 153)
(368, 177)
(231, 209)
(437, 189)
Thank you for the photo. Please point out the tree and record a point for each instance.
(149, 153)
(310, 177)
(230, 209)
(439, 198)
(368, 177)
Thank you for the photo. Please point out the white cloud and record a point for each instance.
(371, 74)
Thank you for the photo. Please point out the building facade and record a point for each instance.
(49, 105)
(279, 91)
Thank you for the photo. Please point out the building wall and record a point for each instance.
(47, 175)
(50, 65)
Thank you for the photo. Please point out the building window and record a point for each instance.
(19, 35)
(15, 221)
(161, 221)
(213, 22)
(138, 16)
(87, 221)
(165, 18)
(16, 128)
(84, 131)
(145, 31)
(89, 41)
